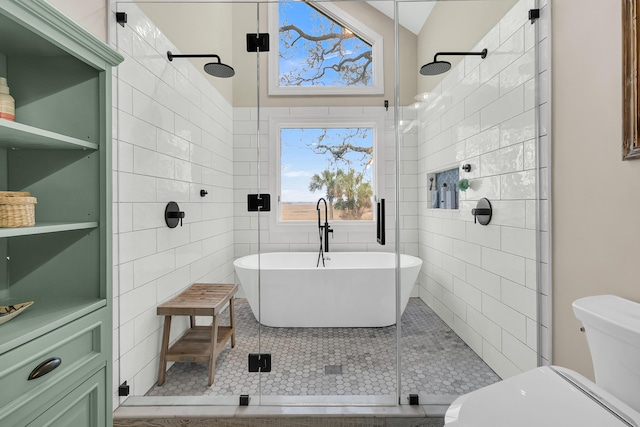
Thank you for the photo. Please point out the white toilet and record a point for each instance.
(552, 396)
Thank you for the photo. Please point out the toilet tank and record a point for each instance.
(612, 325)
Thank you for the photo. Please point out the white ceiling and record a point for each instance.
(412, 14)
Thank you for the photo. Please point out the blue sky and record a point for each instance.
(299, 162)
(299, 13)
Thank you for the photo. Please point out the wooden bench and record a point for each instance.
(198, 343)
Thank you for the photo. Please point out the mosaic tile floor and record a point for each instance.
(337, 361)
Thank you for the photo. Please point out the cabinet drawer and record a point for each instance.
(84, 406)
(77, 346)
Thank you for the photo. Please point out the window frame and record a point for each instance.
(630, 84)
(360, 29)
(276, 123)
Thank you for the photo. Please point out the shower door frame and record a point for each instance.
(544, 342)
(378, 120)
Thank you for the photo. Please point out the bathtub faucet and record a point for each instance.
(323, 232)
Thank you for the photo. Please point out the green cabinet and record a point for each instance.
(58, 149)
(83, 406)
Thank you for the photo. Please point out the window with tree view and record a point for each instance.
(321, 48)
(334, 163)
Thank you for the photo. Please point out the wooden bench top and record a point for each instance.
(199, 299)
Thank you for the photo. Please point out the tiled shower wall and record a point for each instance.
(346, 237)
(172, 138)
(481, 280)
(175, 135)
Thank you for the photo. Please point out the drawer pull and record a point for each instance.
(44, 368)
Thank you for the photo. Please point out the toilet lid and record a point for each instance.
(540, 397)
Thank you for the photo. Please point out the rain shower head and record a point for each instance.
(434, 68)
(438, 67)
(216, 69)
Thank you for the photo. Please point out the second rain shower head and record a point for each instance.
(216, 69)
(438, 67)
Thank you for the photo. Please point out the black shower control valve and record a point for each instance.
(173, 215)
(203, 193)
(466, 168)
(176, 215)
(482, 212)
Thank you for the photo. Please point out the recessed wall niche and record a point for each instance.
(443, 189)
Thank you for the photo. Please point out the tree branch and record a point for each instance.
(338, 151)
(323, 37)
(361, 75)
(320, 53)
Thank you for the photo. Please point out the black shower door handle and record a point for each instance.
(380, 228)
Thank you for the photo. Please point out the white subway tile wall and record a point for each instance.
(346, 237)
(173, 138)
(481, 280)
(174, 135)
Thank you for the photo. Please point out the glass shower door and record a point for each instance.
(323, 155)
(182, 137)
(470, 137)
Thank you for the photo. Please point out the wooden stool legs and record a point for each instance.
(194, 338)
(165, 347)
(214, 349)
(232, 323)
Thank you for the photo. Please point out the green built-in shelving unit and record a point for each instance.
(59, 150)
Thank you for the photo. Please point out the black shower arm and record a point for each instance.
(483, 54)
(172, 55)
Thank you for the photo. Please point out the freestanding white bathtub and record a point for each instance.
(354, 289)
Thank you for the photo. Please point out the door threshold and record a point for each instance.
(290, 407)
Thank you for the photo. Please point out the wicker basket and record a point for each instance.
(17, 209)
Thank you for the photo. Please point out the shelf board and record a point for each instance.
(14, 135)
(42, 317)
(46, 227)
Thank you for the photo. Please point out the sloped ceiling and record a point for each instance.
(412, 15)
